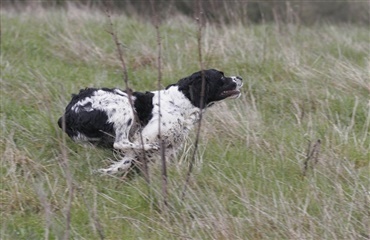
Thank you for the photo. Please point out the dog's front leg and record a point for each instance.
(123, 143)
(127, 145)
(119, 167)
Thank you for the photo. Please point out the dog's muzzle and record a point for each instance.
(238, 80)
(239, 84)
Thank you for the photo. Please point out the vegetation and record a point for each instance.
(305, 100)
(219, 11)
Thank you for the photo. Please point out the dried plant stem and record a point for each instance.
(93, 215)
(120, 53)
(312, 154)
(159, 68)
(200, 59)
(143, 169)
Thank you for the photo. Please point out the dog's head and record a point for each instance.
(216, 87)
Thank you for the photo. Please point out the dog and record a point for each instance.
(133, 122)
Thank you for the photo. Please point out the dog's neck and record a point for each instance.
(172, 98)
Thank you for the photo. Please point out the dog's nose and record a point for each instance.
(238, 80)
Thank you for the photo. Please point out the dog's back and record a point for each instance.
(94, 114)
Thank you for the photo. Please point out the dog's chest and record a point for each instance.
(175, 122)
(173, 117)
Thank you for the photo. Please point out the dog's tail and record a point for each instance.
(60, 122)
(63, 124)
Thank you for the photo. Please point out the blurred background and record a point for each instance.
(232, 11)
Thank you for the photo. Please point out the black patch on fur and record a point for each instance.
(93, 124)
(129, 122)
(144, 106)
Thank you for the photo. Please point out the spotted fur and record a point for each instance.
(105, 117)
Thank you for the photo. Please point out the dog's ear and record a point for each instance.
(192, 88)
(198, 94)
(184, 83)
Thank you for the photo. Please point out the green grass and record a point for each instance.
(301, 84)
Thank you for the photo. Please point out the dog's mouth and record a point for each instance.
(233, 90)
(231, 93)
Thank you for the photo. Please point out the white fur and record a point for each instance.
(173, 117)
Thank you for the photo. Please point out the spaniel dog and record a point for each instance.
(135, 122)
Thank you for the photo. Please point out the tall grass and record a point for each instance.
(301, 84)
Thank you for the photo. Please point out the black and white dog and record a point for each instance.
(129, 123)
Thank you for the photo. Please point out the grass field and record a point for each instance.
(301, 85)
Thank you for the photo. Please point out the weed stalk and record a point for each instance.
(199, 20)
(111, 31)
(159, 69)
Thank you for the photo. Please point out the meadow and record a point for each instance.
(305, 99)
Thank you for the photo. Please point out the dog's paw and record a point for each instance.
(107, 171)
(119, 167)
(123, 146)
(151, 147)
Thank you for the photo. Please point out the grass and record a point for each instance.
(301, 84)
